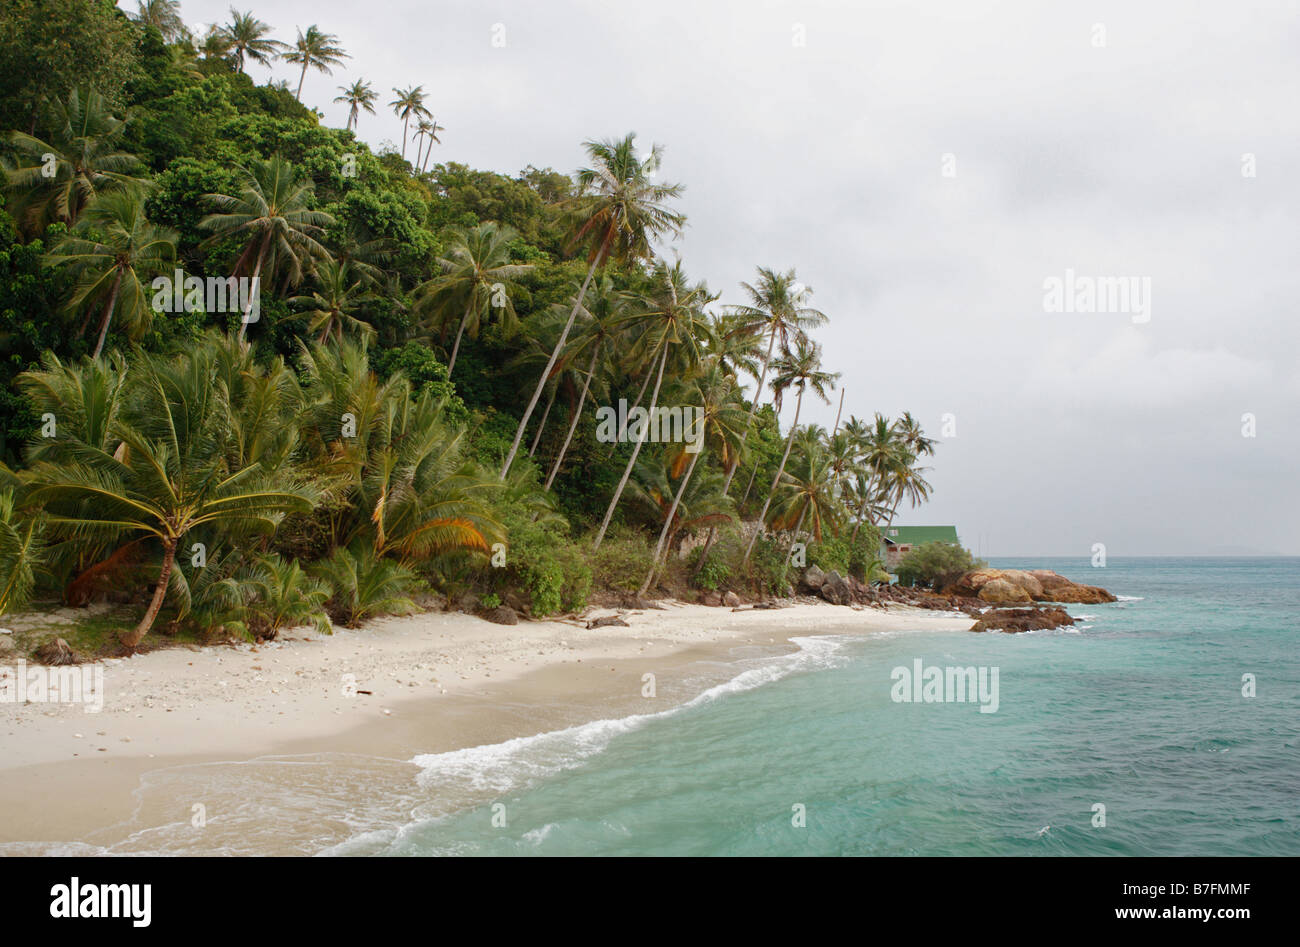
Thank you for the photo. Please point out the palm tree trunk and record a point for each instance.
(627, 471)
(663, 533)
(573, 422)
(546, 372)
(532, 449)
(789, 442)
(133, 638)
(405, 122)
(256, 288)
(645, 383)
(108, 315)
(797, 526)
(298, 95)
(455, 349)
(838, 412)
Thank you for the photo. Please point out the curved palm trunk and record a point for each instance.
(627, 471)
(256, 289)
(573, 423)
(108, 315)
(645, 383)
(405, 122)
(455, 349)
(668, 522)
(134, 637)
(546, 372)
(550, 403)
(303, 75)
(744, 435)
(789, 442)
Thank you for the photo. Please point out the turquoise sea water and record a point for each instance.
(1139, 709)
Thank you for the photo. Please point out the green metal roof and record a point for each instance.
(915, 535)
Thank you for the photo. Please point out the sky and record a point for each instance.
(929, 169)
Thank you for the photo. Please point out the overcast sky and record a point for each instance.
(1106, 138)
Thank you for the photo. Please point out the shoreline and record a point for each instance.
(438, 682)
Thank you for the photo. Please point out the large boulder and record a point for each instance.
(1057, 588)
(813, 579)
(1026, 581)
(1000, 591)
(836, 589)
(1022, 619)
(502, 615)
(731, 600)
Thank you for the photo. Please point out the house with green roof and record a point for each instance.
(898, 541)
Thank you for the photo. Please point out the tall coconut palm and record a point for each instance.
(408, 102)
(671, 324)
(162, 15)
(248, 39)
(318, 50)
(168, 473)
(776, 307)
(114, 254)
(56, 178)
(357, 96)
(331, 307)
(882, 451)
(719, 424)
(606, 314)
(799, 369)
(215, 45)
(618, 214)
(429, 129)
(475, 283)
(272, 214)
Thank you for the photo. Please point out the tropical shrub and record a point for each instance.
(936, 564)
(365, 585)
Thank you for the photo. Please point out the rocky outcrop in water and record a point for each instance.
(1017, 586)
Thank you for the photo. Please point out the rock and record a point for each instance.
(731, 600)
(606, 620)
(56, 651)
(712, 599)
(1022, 619)
(7, 644)
(502, 615)
(1026, 581)
(1001, 591)
(836, 589)
(1057, 588)
(813, 579)
(1039, 585)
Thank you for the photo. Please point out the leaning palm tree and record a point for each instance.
(800, 370)
(429, 129)
(776, 307)
(618, 213)
(272, 214)
(247, 39)
(719, 425)
(162, 15)
(56, 178)
(114, 253)
(357, 96)
(318, 50)
(330, 308)
(882, 451)
(475, 283)
(167, 474)
(671, 324)
(408, 102)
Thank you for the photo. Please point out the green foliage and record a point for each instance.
(936, 564)
(365, 585)
(22, 553)
(490, 601)
(622, 560)
(542, 562)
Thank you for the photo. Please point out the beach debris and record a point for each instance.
(606, 620)
(56, 651)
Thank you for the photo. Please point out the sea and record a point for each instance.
(1165, 723)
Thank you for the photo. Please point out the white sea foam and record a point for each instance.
(1129, 598)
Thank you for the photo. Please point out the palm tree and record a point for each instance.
(168, 472)
(339, 293)
(22, 552)
(216, 45)
(357, 96)
(882, 451)
(618, 213)
(247, 38)
(476, 279)
(719, 424)
(776, 308)
(271, 213)
(408, 102)
(429, 129)
(801, 370)
(318, 50)
(114, 268)
(807, 491)
(57, 178)
(606, 317)
(673, 322)
(164, 16)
